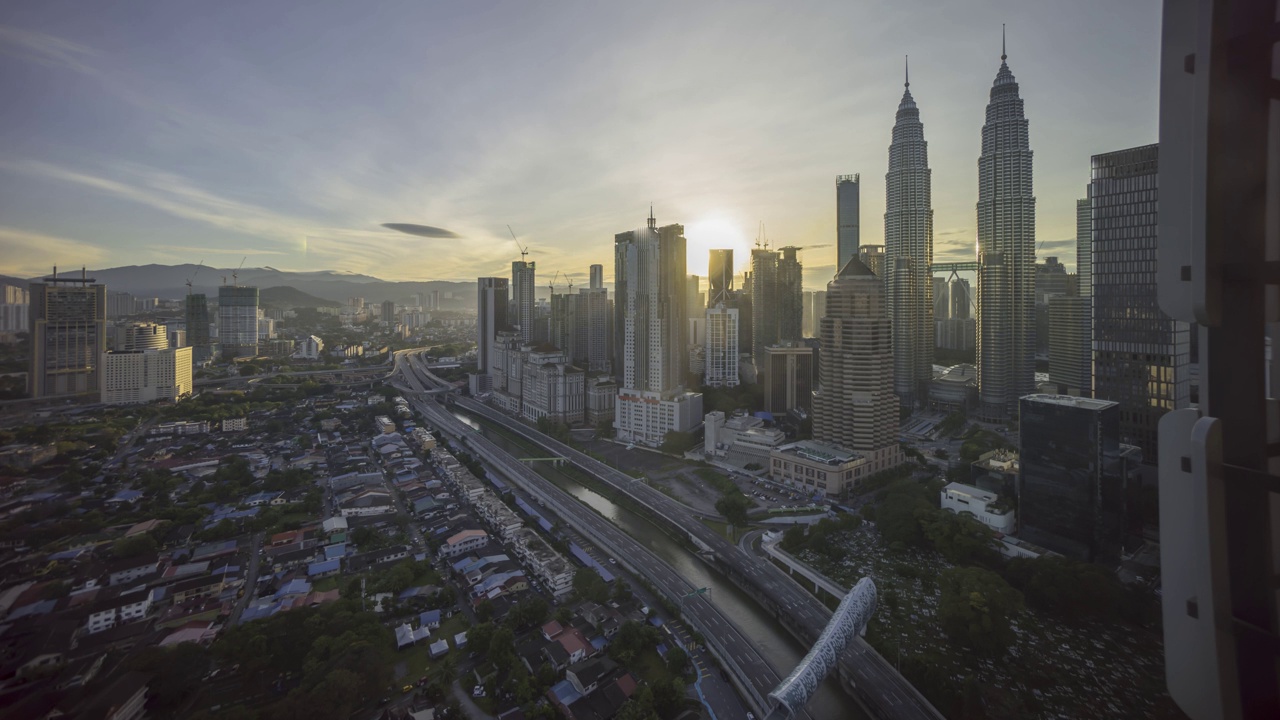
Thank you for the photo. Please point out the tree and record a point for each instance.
(677, 661)
(484, 611)
(975, 608)
(676, 442)
(138, 545)
(621, 592)
(959, 539)
(588, 585)
(734, 508)
(604, 428)
(530, 611)
(502, 649)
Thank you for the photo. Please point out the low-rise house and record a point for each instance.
(127, 570)
(118, 610)
(196, 587)
(463, 542)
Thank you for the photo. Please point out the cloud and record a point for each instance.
(421, 230)
(189, 249)
(27, 254)
(46, 49)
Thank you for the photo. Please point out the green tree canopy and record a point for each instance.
(976, 607)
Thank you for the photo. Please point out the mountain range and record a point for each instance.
(170, 281)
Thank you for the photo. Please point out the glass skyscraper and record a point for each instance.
(848, 202)
(1140, 354)
(1071, 486)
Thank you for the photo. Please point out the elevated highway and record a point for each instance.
(877, 686)
(751, 673)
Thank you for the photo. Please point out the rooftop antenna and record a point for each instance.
(193, 275)
(524, 251)
(55, 272)
(1003, 47)
(652, 223)
(235, 274)
(84, 274)
(906, 64)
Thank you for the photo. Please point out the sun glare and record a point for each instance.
(713, 233)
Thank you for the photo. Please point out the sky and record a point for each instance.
(287, 134)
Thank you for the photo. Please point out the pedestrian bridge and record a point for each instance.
(850, 618)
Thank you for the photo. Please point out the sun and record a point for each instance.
(715, 232)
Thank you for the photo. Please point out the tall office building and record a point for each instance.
(597, 277)
(848, 201)
(697, 301)
(1052, 280)
(790, 297)
(564, 324)
(719, 276)
(595, 329)
(1140, 354)
(787, 377)
(854, 405)
(14, 309)
(941, 300)
(1006, 254)
(960, 294)
(651, 302)
(492, 303)
(721, 351)
(908, 250)
(389, 312)
(764, 302)
(238, 321)
(68, 326)
(1072, 481)
(1069, 364)
(197, 313)
(523, 301)
(873, 257)
(1084, 286)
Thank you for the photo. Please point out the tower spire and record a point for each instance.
(651, 220)
(906, 66)
(1003, 47)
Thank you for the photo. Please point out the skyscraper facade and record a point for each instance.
(1140, 354)
(197, 312)
(594, 328)
(721, 352)
(492, 302)
(960, 294)
(651, 305)
(848, 202)
(1084, 286)
(719, 276)
(941, 301)
(873, 257)
(68, 325)
(790, 296)
(764, 302)
(523, 299)
(854, 405)
(788, 380)
(597, 277)
(238, 321)
(1071, 483)
(1006, 254)
(389, 312)
(908, 249)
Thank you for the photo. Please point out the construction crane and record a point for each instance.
(551, 284)
(235, 274)
(524, 251)
(193, 275)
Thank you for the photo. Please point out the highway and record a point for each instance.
(755, 675)
(878, 686)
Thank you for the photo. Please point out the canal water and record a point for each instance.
(773, 640)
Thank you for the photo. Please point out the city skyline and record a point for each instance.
(190, 147)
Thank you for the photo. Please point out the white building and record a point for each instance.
(645, 418)
(975, 502)
(463, 542)
(721, 354)
(146, 376)
(309, 348)
(123, 609)
(552, 388)
(740, 440)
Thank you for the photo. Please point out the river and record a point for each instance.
(773, 640)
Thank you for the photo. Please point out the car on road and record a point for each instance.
(612, 561)
(477, 691)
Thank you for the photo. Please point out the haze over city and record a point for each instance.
(168, 135)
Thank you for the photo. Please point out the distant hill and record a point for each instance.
(169, 282)
(286, 298)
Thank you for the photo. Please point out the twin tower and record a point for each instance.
(1006, 253)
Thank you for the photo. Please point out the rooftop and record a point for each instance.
(820, 452)
(1071, 401)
